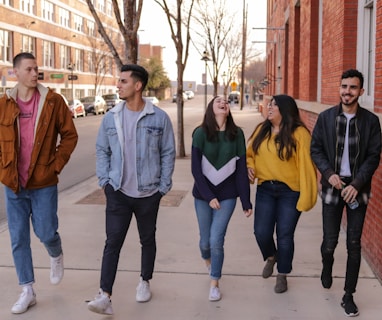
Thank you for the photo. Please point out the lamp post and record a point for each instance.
(71, 67)
(205, 58)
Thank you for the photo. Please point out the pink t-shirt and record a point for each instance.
(27, 120)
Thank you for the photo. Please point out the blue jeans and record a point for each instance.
(276, 208)
(332, 216)
(40, 207)
(119, 211)
(212, 229)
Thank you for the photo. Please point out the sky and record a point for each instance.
(154, 30)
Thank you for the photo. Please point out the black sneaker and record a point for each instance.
(326, 277)
(348, 304)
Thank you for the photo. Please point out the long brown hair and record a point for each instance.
(290, 121)
(211, 127)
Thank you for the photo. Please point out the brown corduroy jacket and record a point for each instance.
(54, 140)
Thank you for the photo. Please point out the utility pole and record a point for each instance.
(243, 53)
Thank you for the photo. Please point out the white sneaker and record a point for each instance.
(56, 269)
(215, 294)
(27, 299)
(143, 291)
(101, 304)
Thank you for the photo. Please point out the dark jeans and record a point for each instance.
(119, 211)
(332, 216)
(276, 208)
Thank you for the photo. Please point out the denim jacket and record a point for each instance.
(155, 149)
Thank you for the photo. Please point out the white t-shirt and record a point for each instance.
(345, 164)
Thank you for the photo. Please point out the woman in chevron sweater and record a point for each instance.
(220, 174)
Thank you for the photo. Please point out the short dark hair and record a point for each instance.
(353, 73)
(21, 56)
(137, 72)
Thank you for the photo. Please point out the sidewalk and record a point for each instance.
(180, 285)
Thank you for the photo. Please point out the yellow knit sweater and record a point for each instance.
(299, 172)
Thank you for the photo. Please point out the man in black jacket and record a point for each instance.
(346, 147)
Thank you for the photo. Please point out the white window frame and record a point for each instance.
(64, 17)
(79, 59)
(78, 23)
(48, 54)
(90, 28)
(6, 46)
(27, 6)
(47, 9)
(27, 44)
(8, 3)
(64, 56)
(366, 49)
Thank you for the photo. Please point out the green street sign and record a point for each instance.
(56, 75)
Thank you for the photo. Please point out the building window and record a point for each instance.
(109, 8)
(64, 17)
(90, 28)
(48, 54)
(5, 46)
(91, 62)
(27, 6)
(79, 59)
(78, 23)
(47, 9)
(64, 56)
(27, 44)
(109, 69)
(101, 5)
(8, 3)
(366, 53)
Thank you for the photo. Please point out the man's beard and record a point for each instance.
(348, 100)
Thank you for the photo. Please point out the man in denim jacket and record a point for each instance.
(135, 152)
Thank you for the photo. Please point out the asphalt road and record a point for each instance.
(82, 163)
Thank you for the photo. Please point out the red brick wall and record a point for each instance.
(339, 36)
(338, 47)
(372, 232)
(308, 50)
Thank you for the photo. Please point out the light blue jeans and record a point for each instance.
(212, 229)
(40, 207)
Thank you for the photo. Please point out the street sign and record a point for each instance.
(40, 76)
(72, 77)
(234, 86)
(56, 75)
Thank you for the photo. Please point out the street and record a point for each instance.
(81, 166)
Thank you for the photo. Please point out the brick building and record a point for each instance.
(62, 34)
(309, 44)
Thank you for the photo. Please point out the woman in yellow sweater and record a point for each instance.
(278, 156)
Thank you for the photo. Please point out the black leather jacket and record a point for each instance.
(324, 153)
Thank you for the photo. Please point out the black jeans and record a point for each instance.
(119, 211)
(332, 215)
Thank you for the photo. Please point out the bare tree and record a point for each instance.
(96, 61)
(232, 47)
(182, 43)
(213, 26)
(128, 26)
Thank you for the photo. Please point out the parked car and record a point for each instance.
(154, 100)
(185, 97)
(234, 97)
(94, 104)
(77, 108)
(111, 100)
(190, 94)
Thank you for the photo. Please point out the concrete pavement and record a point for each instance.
(180, 285)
